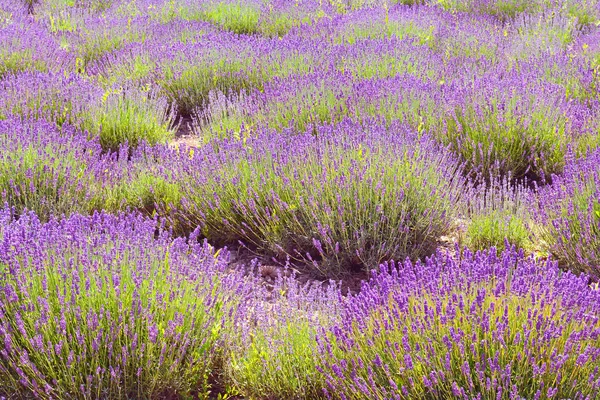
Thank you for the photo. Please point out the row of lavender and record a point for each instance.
(508, 96)
(334, 136)
(349, 198)
(113, 307)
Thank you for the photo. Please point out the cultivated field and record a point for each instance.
(300, 199)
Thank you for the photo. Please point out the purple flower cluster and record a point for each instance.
(28, 46)
(47, 170)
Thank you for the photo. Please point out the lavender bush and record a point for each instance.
(30, 47)
(499, 214)
(116, 115)
(481, 326)
(47, 170)
(569, 216)
(350, 197)
(275, 351)
(96, 307)
(518, 133)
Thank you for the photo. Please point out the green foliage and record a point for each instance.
(145, 191)
(401, 29)
(279, 362)
(317, 102)
(136, 71)
(97, 42)
(12, 62)
(499, 212)
(129, 117)
(584, 12)
(379, 64)
(235, 16)
(188, 88)
(569, 218)
(48, 102)
(502, 9)
(495, 229)
(500, 137)
(278, 358)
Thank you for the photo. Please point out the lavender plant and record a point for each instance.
(144, 181)
(569, 217)
(46, 170)
(29, 47)
(275, 352)
(56, 97)
(130, 116)
(115, 115)
(96, 307)
(499, 214)
(197, 70)
(236, 16)
(307, 101)
(350, 197)
(518, 132)
(479, 326)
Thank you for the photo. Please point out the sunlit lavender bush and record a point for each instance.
(144, 180)
(510, 127)
(481, 325)
(348, 198)
(274, 353)
(47, 170)
(96, 307)
(569, 216)
(55, 97)
(30, 47)
(129, 116)
(115, 115)
(499, 213)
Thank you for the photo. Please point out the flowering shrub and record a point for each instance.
(47, 170)
(350, 197)
(499, 213)
(116, 116)
(478, 326)
(96, 307)
(569, 216)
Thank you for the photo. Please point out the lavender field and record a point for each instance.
(300, 199)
